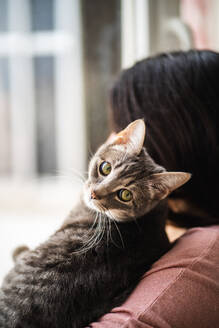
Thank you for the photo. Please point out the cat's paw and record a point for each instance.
(19, 251)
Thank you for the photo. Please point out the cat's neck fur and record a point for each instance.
(148, 230)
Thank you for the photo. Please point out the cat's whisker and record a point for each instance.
(110, 233)
(92, 241)
(103, 221)
(89, 149)
(117, 228)
(75, 173)
(90, 152)
(136, 222)
(75, 177)
(98, 235)
(91, 228)
(78, 174)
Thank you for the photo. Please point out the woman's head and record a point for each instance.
(172, 92)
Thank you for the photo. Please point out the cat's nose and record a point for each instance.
(94, 195)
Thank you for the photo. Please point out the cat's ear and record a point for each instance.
(162, 184)
(132, 137)
(111, 138)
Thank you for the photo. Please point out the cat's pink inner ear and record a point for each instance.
(122, 138)
(132, 136)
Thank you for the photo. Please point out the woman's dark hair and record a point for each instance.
(177, 94)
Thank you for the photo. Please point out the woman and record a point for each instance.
(178, 96)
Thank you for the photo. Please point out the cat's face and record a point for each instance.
(124, 182)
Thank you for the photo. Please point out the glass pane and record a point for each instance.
(3, 15)
(101, 44)
(4, 117)
(42, 15)
(44, 100)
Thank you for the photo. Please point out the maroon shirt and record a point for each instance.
(181, 290)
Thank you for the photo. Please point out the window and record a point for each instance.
(41, 87)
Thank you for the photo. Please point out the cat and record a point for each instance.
(111, 237)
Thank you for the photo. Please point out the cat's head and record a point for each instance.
(124, 182)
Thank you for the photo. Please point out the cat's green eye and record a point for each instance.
(125, 195)
(105, 168)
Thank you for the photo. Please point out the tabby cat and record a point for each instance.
(108, 241)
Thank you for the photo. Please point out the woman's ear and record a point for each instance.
(162, 184)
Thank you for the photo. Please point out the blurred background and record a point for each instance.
(58, 61)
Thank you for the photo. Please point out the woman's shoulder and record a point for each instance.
(190, 248)
(180, 290)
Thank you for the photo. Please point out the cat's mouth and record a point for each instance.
(95, 204)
